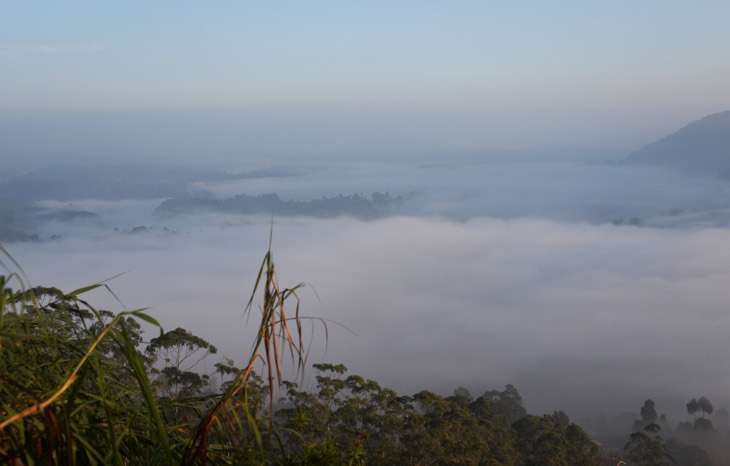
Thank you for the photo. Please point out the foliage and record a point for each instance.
(359, 418)
(78, 393)
(704, 405)
(76, 389)
(178, 351)
(548, 441)
(356, 415)
(649, 415)
(646, 448)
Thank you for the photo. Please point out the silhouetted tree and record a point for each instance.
(648, 412)
(648, 416)
(693, 407)
(705, 406)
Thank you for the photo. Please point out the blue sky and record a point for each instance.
(478, 73)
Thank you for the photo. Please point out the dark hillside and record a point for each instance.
(703, 145)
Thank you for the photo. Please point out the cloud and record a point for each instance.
(19, 49)
(579, 317)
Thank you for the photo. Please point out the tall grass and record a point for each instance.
(74, 387)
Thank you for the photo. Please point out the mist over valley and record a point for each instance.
(566, 279)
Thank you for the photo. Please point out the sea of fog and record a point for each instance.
(492, 274)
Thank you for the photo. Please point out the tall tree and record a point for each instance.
(648, 412)
(693, 407)
(179, 352)
(646, 448)
(705, 406)
(648, 416)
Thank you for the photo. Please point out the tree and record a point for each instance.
(546, 441)
(646, 448)
(508, 403)
(648, 412)
(582, 451)
(648, 416)
(440, 431)
(561, 418)
(179, 351)
(705, 406)
(693, 407)
(463, 396)
(348, 419)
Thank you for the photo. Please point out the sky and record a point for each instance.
(288, 77)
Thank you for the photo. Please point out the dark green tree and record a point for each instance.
(441, 431)
(646, 448)
(546, 441)
(347, 415)
(561, 418)
(508, 402)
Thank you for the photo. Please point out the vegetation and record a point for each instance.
(77, 389)
(377, 205)
(79, 385)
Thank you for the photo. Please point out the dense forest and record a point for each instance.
(80, 386)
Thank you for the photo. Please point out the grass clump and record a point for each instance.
(75, 388)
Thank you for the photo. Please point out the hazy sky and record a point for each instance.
(325, 75)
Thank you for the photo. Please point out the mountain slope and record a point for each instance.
(703, 145)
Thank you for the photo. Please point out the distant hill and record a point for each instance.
(703, 145)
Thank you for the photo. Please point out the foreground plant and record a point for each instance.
(279, 334)
(75, 389)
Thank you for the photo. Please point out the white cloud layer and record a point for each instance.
(579, 317)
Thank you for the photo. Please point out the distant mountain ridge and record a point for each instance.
(703, 145)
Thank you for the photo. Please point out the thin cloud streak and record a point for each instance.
(42, 49)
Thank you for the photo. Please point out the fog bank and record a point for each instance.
(579, 317)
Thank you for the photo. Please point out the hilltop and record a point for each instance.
(703, 145)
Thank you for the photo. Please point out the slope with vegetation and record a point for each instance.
(79, 386)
